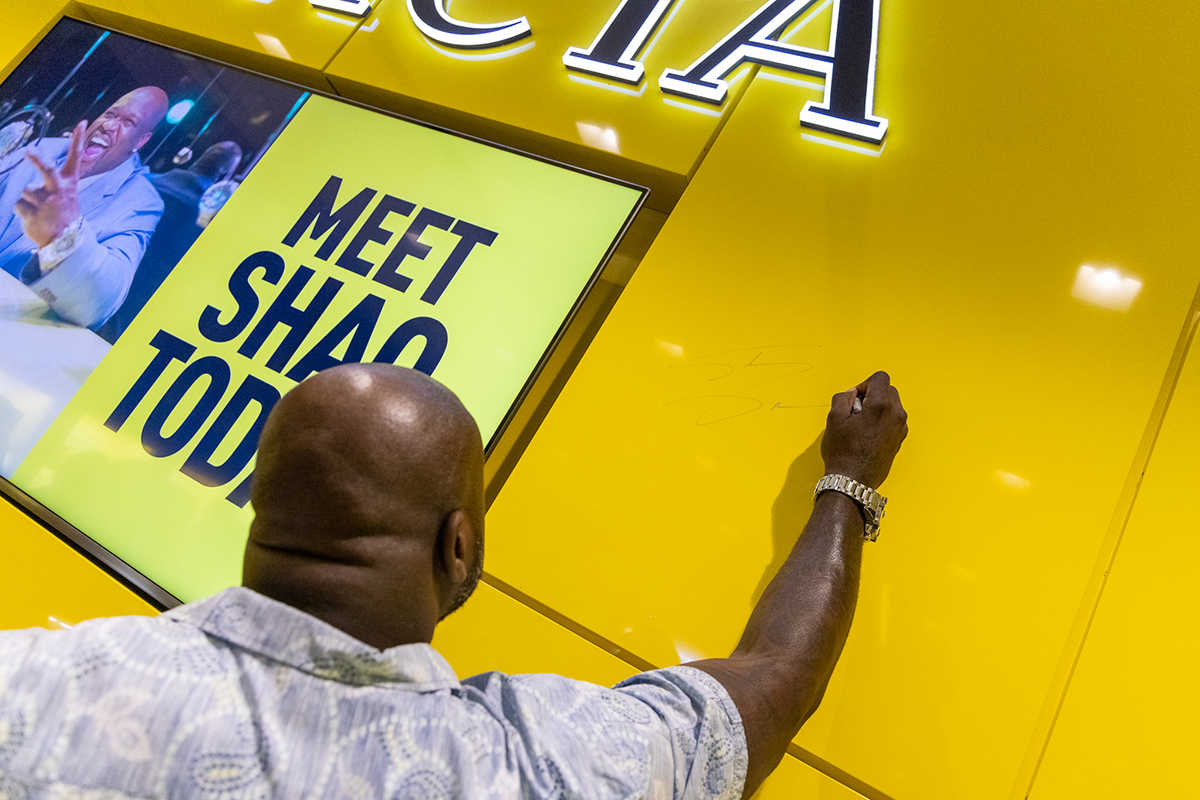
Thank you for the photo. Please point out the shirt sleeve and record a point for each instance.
(707, 741)
(15, 647)
(88, 285)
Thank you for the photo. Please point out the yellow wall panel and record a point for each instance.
(676, 467)
(24, 21)
(286, 38)
(495, 632)
(524, 90)
(1127, 727)
(43, 582)
(793, 780)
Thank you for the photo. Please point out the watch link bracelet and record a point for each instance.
(869, 501)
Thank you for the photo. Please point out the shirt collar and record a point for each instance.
(277, 631)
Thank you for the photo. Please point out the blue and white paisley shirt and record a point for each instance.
(238, 697)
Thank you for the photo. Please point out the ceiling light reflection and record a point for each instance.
(273, 45)
(179, 111)
(673, 349)
(1012, 481)
(1105, 287)
(598, 137)
(686, 652)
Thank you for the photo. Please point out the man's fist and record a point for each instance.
(48, 210)
(861, 445)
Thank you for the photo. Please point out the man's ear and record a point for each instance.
(142, 141)
(456, 548)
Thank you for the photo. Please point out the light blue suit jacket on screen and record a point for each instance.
(121, 209)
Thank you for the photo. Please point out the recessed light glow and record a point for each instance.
(1105, 287)
(179, 111)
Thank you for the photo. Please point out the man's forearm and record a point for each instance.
(779, 671)
(805, 613)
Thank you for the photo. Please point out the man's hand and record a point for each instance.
(862, 445)
(48, 210)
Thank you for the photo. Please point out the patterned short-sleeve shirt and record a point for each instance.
(239, 697)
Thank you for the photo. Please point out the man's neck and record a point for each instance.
(383, 606)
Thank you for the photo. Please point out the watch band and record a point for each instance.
(66, 243)
(869, 501)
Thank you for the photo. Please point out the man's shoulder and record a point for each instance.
(644, 698)
(100, 627)
(139, 190)
(673, 726)
(109, 641)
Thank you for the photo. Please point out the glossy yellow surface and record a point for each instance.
(1127, 727)
(44, 583)
(795, 780)
(676, 467)
(495, 632)
(288, 31)
(526, 86)
(24, 21)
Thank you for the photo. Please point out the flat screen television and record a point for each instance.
(182, 242)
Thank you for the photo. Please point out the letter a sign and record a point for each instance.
(848, 66)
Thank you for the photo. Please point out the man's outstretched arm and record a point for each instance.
(779, 671)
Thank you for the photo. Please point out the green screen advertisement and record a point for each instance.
(340, 235)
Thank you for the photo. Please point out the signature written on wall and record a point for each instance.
(734, 383)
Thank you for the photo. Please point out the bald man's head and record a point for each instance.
(369, 481)
(123, 128)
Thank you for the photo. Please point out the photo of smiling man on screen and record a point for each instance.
(76, 214)
(99, 135)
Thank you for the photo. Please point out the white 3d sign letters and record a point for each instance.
(357, 8)
(623, 36)
(431, 17)
(848, 66)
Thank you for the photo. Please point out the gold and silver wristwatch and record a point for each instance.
(869, 501)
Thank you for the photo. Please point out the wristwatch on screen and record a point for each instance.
(869, 501)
